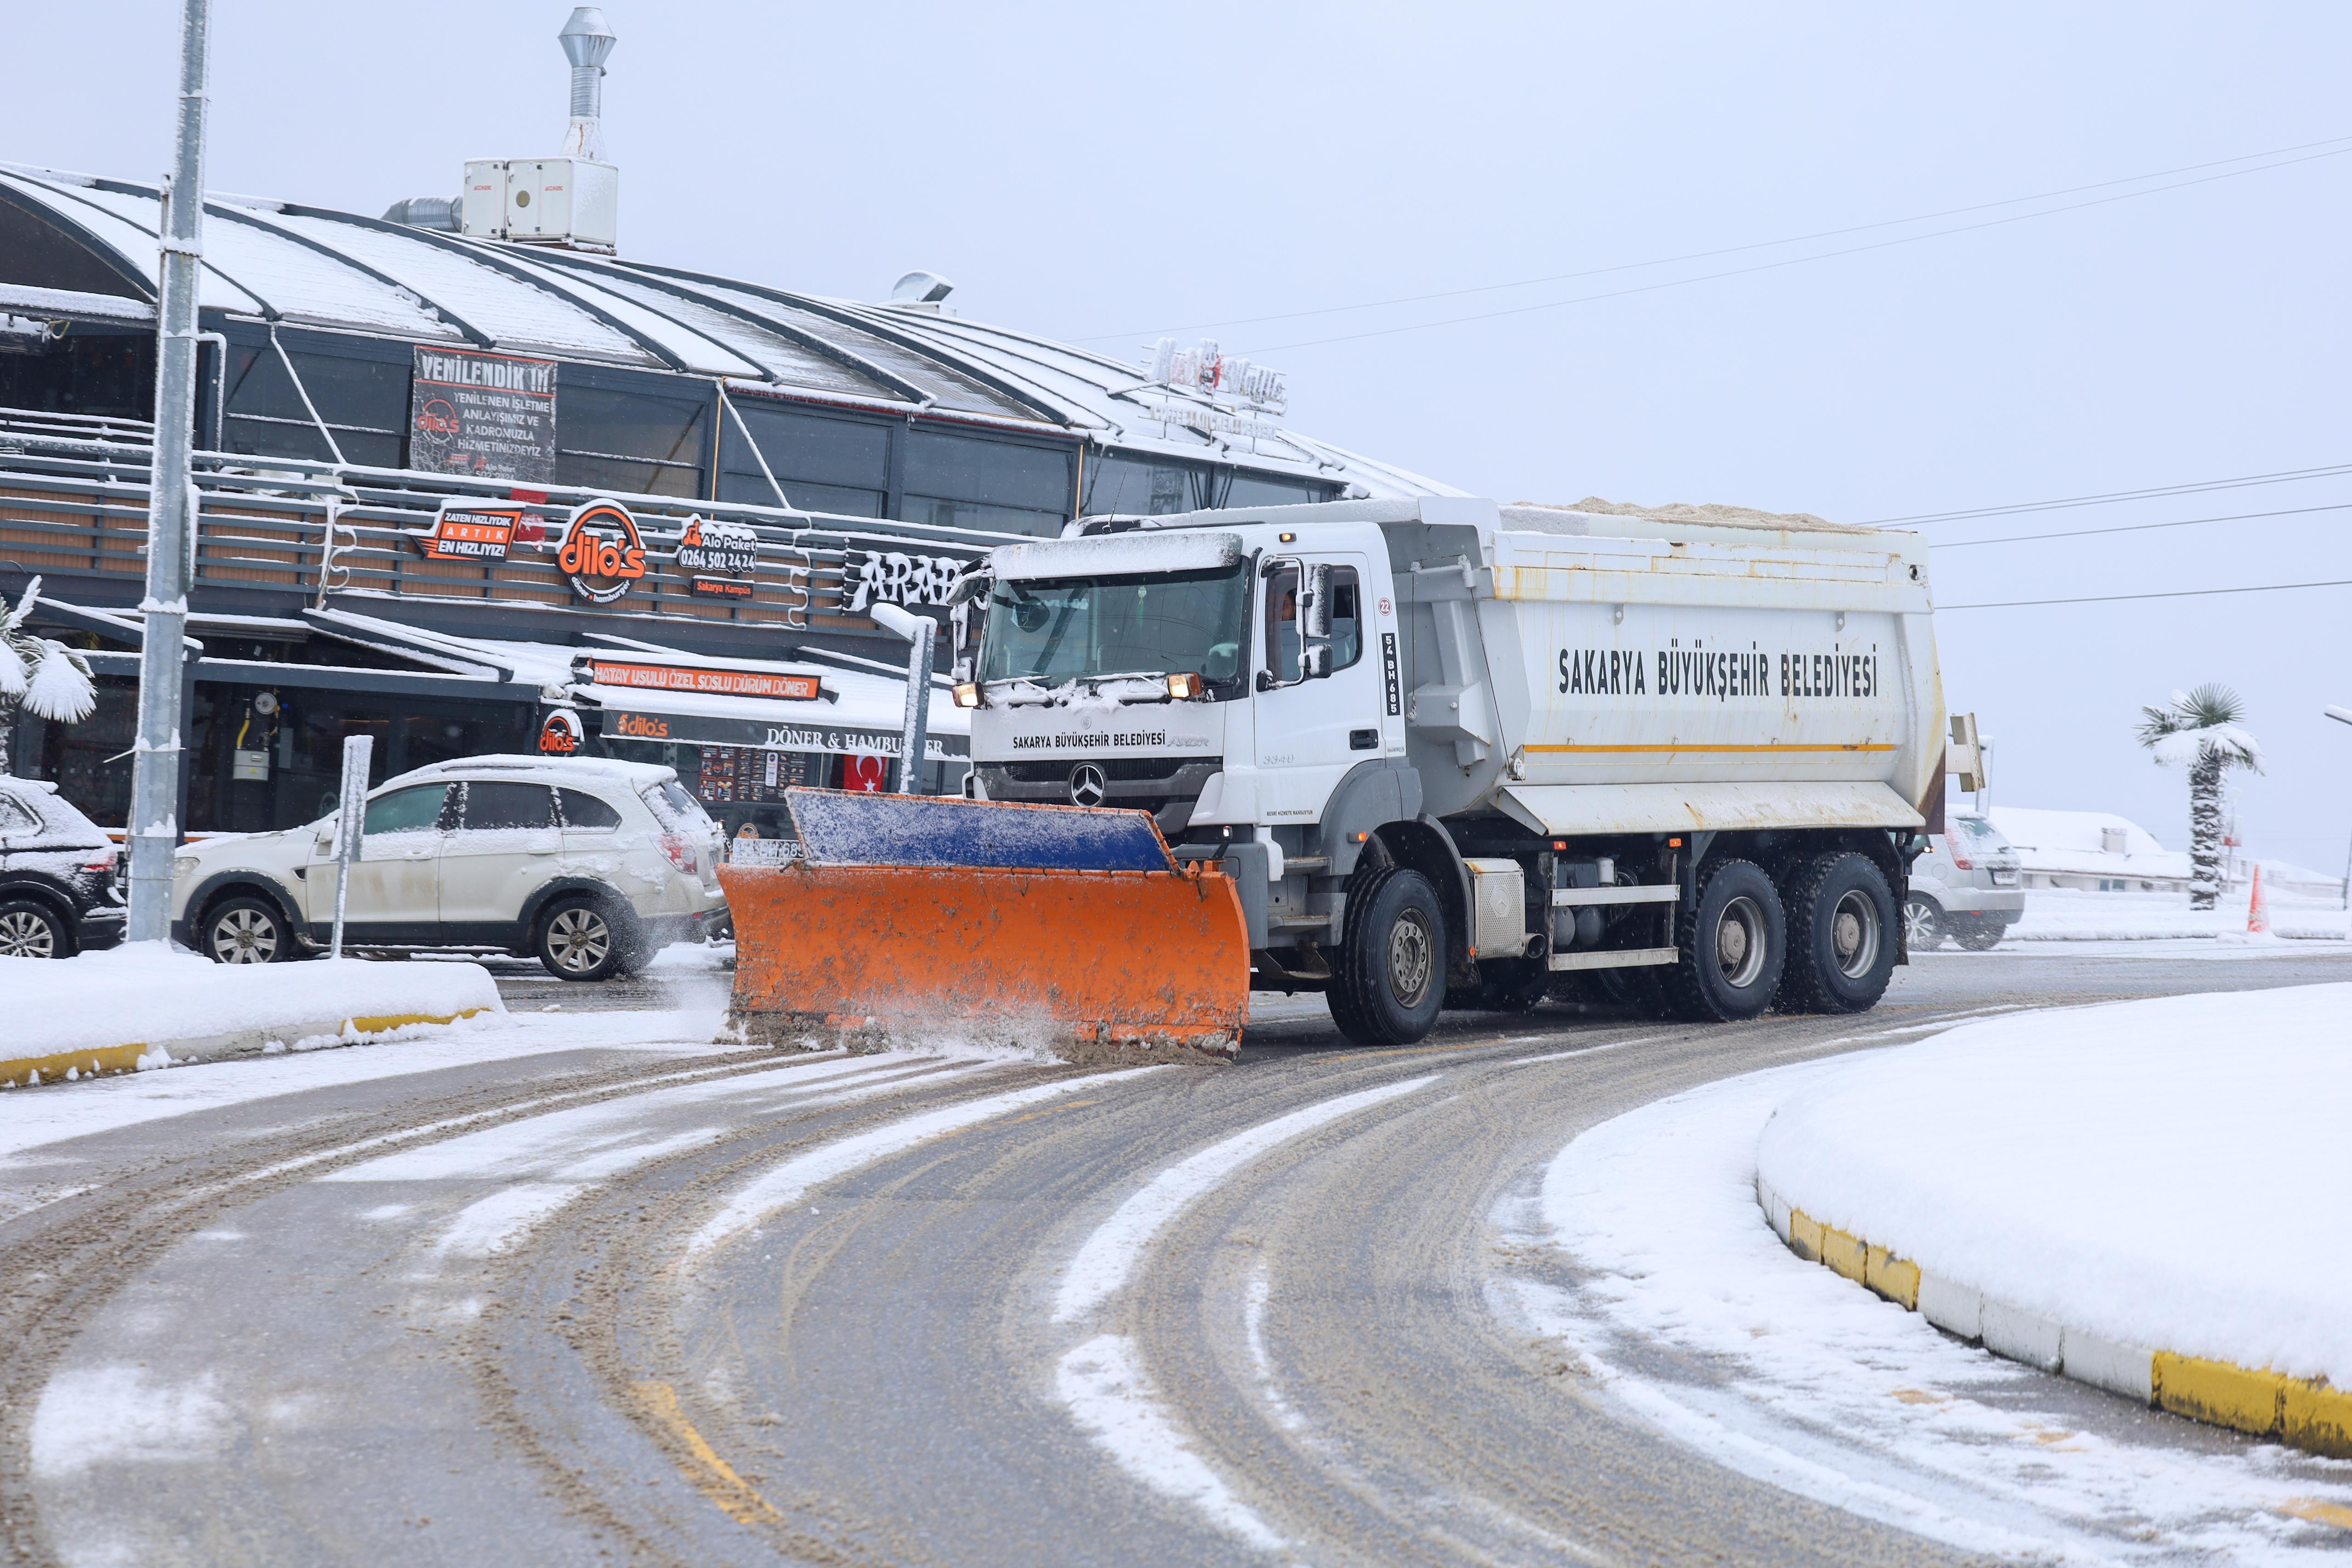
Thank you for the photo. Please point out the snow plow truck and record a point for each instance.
(1412, 755)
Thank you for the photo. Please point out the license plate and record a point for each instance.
(2004, 878)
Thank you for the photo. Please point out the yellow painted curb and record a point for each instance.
(82, 1064)
(25, 1071)
(2303, 1413)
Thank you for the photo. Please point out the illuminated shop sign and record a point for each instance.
(601, 552)
(713, 683)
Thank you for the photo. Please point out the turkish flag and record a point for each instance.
(864, 773)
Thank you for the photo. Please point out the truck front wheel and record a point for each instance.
(1734, 939)
(1840, 935)
(1390, 979)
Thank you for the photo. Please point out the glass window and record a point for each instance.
(824, 463)
(1347, 619)
(581, 810)
(997, 473)
(974, 514)
(1261, 490)
(14, 818)
(641, 443)
(501, 804)
(1050, 632)
(1143, 487)
(412, 810)
(364, 402)
(673, 807)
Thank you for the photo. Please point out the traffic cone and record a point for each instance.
(2258, 914)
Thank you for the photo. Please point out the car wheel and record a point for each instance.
(1840, 935)
(1390, 978)
(246, 931)
(29, 928)
(1734, 940)
(580, 937)
(1923, 925)
(1981, 936)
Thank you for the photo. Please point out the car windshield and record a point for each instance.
(1050, 632)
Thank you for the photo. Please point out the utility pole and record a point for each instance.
(171, 503)
(2343, 716)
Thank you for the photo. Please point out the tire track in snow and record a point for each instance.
(1103, 1382)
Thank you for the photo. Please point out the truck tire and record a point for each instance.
(1841, 917)
(1390, 980)
(1733, 940)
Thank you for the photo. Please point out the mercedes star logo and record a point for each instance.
(1086, 786)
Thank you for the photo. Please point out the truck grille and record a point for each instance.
(1115, 770)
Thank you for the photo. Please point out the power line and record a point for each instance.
(2135, 527)
(2175, 594)
(1775, 265)
(1723, 250)
(2197, 487)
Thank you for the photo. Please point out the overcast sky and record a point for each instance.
(1107, 172)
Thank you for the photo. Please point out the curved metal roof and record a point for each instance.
(301, 266)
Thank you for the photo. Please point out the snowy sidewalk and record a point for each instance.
(133, 1008)
(2148, 1197)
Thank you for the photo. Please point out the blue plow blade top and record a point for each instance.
(852, 829)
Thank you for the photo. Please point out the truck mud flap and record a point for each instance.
(913, 920)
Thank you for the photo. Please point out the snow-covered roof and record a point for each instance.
(283, 262)
(2075, 841)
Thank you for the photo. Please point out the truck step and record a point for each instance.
(1655, 893)
(1627, 958)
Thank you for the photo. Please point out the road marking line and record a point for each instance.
(1103, 1263)
(717, 1479)
(785, 1185)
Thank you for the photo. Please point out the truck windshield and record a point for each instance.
(1050, 632)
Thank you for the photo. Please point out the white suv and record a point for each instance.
(588, 864)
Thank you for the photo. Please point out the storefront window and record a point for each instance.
(1143, 487)
(89, 762)
(638, 443)
(1259, 489)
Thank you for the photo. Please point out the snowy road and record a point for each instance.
(645, 1301)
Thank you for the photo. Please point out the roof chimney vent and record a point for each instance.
(572, 199)
(587, 42)
(920, 290)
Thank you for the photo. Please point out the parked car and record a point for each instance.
(61, 887)
(588, 864)
(1965, 887)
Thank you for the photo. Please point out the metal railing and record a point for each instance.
(73, 502)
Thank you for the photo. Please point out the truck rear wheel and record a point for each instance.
(1390, 979)
(1734, 940)
(1840, 935)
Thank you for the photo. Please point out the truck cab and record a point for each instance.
(1450, 762)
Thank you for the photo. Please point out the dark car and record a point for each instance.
(58, 891)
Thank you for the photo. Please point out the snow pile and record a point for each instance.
(138, 995)
(2074, 914)
(2168, 1173)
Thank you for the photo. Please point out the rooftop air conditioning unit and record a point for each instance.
(572, 199)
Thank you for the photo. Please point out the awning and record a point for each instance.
(868, 715)
(1568, 809)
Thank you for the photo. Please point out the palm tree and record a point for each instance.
(2200, 731)
(44, 678)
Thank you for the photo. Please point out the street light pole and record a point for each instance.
(154, 828)
(2343, 716)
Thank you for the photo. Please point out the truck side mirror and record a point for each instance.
(1315, 606)
(1315, 661)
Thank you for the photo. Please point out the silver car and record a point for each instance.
(1965, 888)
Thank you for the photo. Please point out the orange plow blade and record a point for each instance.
(911, 919)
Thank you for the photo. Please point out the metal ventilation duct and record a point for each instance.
(587, 42)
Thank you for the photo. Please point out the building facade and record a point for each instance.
(469, 495)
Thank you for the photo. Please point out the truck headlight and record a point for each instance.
(967, 694)
(1184, 687)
